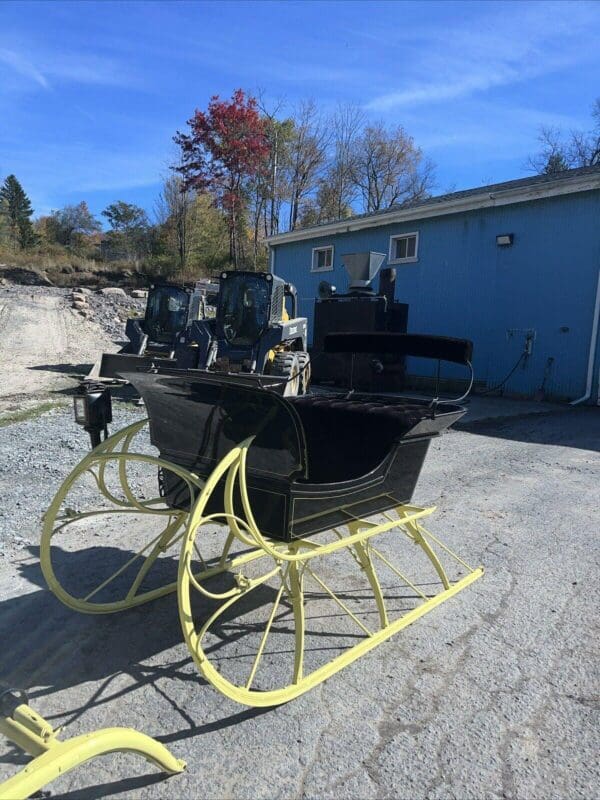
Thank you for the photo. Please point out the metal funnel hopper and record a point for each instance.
(362, 268)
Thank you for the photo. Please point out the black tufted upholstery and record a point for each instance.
(347, 438)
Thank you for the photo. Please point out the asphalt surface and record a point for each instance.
(493, 694)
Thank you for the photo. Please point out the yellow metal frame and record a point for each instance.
(53, 757)
(288, 565)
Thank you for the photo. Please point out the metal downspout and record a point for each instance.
(592, 356)
(598, 398)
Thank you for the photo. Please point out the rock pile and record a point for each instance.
(79, 301)
(112, 307)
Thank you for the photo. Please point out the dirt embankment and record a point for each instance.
(74, 272)
(46, 344)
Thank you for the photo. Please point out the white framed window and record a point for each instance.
(322, 259)
(404, 248)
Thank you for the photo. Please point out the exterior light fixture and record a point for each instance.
(505, 239)
(93, 410)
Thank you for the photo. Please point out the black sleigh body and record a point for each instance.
(316, 461)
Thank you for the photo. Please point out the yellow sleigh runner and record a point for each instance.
(264, 503)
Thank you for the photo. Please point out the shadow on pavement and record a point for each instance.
(54, 647)
(543, 428)
(68, 369)
(71, 648)
(124, 786)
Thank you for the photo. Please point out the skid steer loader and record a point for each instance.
(251, 336)
(252, 332)
(170, 308)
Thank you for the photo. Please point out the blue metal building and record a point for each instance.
(499, 264)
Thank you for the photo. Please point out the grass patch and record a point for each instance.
(12, 417)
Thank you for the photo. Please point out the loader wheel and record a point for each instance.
(304, 366)
(287, 366)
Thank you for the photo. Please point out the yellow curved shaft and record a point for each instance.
(32, 733)
(65, 756)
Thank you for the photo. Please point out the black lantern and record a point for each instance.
(93, 409)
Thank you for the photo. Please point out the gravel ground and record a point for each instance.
(36, 456)
(494, 694)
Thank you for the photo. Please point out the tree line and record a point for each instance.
(269, 172)
(245, 172)
(185, 231)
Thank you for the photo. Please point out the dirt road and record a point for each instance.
(43, 344)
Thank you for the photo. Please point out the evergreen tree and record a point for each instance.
(556, 163)
(15, 208)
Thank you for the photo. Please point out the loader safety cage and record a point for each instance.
(301, 486)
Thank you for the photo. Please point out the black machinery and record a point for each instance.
(361, 310)
(252, 332)
(170, 308)
(249, 330)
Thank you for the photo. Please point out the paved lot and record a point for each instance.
(494, 694)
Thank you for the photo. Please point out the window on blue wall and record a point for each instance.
(322, 259)
(404, 248)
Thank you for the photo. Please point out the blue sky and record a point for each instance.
(92, 93)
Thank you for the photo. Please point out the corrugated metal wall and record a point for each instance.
(465, 285)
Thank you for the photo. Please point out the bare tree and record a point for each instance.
(174, 208)
(269, 187)
(338, 190)
(325, 206)
(389, 169)
(279, 134)
(553, 155)
(307, 156)
(584, 148)
(559, 151)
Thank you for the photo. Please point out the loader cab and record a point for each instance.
(248, 303)
(167, 312)
(251, 332)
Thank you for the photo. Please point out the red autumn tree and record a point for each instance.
(227, 146)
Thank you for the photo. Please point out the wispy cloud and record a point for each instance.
(92, 70)
(504, 49)
(50, 68)
(23, 67)
(483, 123)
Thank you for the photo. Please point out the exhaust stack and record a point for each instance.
(362, 269)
